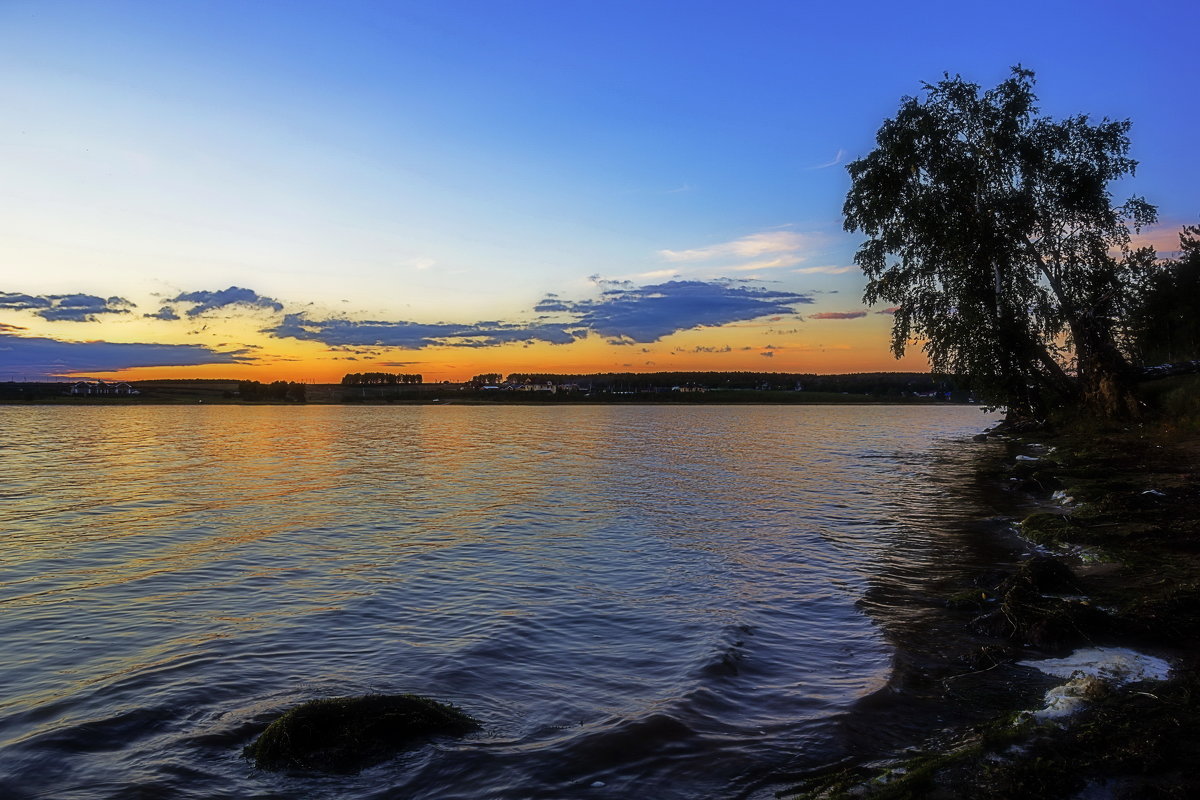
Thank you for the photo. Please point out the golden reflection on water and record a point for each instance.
(605, 564)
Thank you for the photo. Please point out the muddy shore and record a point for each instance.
(1106, 571)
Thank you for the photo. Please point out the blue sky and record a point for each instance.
(381, 167)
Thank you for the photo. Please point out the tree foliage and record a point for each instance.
(379, 379)
(992, 229)
(1165, 327)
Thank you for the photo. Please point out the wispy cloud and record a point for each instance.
(753, 246)
(421, 263)
(65, 307)
(838, 315)
(48, 358)
(771, 263)
(889, 310)
(828, 269)
(837, 159)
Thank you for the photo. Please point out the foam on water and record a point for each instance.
(1088, 671)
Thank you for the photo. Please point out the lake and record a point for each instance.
(674, 601)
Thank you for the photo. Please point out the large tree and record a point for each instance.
(991, 230)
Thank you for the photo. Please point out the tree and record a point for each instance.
(992, 230)
(1165, 327)
(379, 378)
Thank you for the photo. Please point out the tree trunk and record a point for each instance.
(1107, 380)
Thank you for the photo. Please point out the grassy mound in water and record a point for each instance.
(345, 734)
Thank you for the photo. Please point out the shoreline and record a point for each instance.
(126, 403)
(1107, 565)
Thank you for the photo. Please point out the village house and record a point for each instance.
(102, 388)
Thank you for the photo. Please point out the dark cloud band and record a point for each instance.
(65, 307)
(622, 313)
(47, 358)
(414, 335)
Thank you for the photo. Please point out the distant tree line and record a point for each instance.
(488, 379)
(277, 391)
(873, 383)
(379, 379)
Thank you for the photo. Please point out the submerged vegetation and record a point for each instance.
(345, 734)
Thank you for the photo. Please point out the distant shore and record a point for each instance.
(682, 388)
(861, 400)
(329, 394)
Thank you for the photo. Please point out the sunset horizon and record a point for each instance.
(672, 399)
(233, 190)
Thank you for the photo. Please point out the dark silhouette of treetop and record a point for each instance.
(992, 228)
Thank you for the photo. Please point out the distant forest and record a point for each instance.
(379, 379)
(874, 383)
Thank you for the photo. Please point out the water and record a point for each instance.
(679, 602)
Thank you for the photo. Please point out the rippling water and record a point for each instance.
(666, 600)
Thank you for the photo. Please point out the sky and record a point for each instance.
(298, 190)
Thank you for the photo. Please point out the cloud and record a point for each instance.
(83, 307)
(838, 315)
(47, 358)
(837, 159)
(773, 263)
(889, 310)
(753, 246)
(768, 354)
(65, 307)
(648, 313)
(551, 304)
(623, 314)
(825, 270)
(20, 302)
(234, 295)
(414, 335)
(165, 313)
